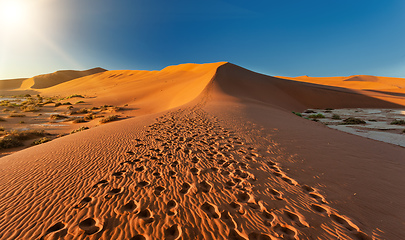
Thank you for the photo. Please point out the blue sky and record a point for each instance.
(285, 38)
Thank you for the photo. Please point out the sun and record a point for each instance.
(13, 13)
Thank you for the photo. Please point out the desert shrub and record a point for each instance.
(398, 122)
(69, 107)
(297, 113)
(17, 115)
(57, 117)
(5, 110)
(27, 95)
(2, 129)
(15, 138)
(58, 104)
(336, 117)
(21, 122)
(315, 116)
(117, 109)
(83, 110)
(79, 120)
(78, 102)
(2, 119)
(352, 120)
(74, 96)
(41, 140)
(29, 108)
(309, 111)
(47, 102)
(328, 109)
(79, 129)
(109, 119)
(94, 108)
(372, 120)
(66, 103)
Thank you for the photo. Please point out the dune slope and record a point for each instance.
(221, 157)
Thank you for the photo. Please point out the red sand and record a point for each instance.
(214, 153)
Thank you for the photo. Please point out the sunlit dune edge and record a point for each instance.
(213, 153)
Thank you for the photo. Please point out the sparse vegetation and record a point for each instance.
(21, 122)
(297, 113)
(83, 110)
(336, 117)
(92, 116)
(41, 140)
(117, 109)
(17, 115)
(352, 121)
(109, 119)
(398, 122)
(309, 111)
(316, 116)
(29, 108)
(57, 117)
(15, 138)
(78, 102)
(79, 129)
(2, 119)
(74, 96)
(58, 104)
(79, 120)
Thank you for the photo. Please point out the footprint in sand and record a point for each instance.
(296, 218)
(185, 188)
(211, 210)
(195, 159)
(119, 174)
(259, 236)
(238, 207)
(130, 153)
(172, 174)
(286, 231)
(278, 195)
(143, 184)
(113, 192)
(140, 169)
(204, 186)
(319, 209)
(83, 202)
(158, 190)
(138, 237)
(58, 230)
(90, 226)
(146, 216)
(234, 234)
(173, 233)
(129, 207)
(172, 207)
(228, 219)
(269, 216)
(100, 183)
(244, 197)
(156, 174)
(195, 171)
(343, 221)
(318, 197)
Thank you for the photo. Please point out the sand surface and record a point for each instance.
(214, 152)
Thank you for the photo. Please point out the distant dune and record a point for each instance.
(213, 153)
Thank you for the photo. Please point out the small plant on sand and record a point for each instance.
(117, 109)
(29, 108)
(79, 120)
(109, 119)
(398, 122)
(21, 122)
(41, 140)
(336, 117)
(58, 104)
(47, 102)
(2, 129)
(309, 111)
(15, 138)
(352, 121)
(58, 117)
(69, 107)
(83, 110)
(297, 113)
(66, 103)
(78, 102)
(79, 129)
(17, 115)
(316, 116)
(74, 96)
(2, 119)
(92, 116)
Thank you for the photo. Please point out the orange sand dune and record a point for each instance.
(51, 79)
(215, 153)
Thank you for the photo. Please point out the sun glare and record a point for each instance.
(13, 13)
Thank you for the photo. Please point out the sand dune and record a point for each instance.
(214, 153)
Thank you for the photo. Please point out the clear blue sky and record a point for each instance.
(275, 37)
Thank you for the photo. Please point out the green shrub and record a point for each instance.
(336, 117)
(315, 116)
(398, 122)
(352, 120)
(15, 138)
(109, 119)
(78, 102)
(58, 104)
(74, 96)
(29, 108)
(297, 113)
(79, 130)
(57, 117)
(41, 140)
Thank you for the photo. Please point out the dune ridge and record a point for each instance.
(214, 153)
